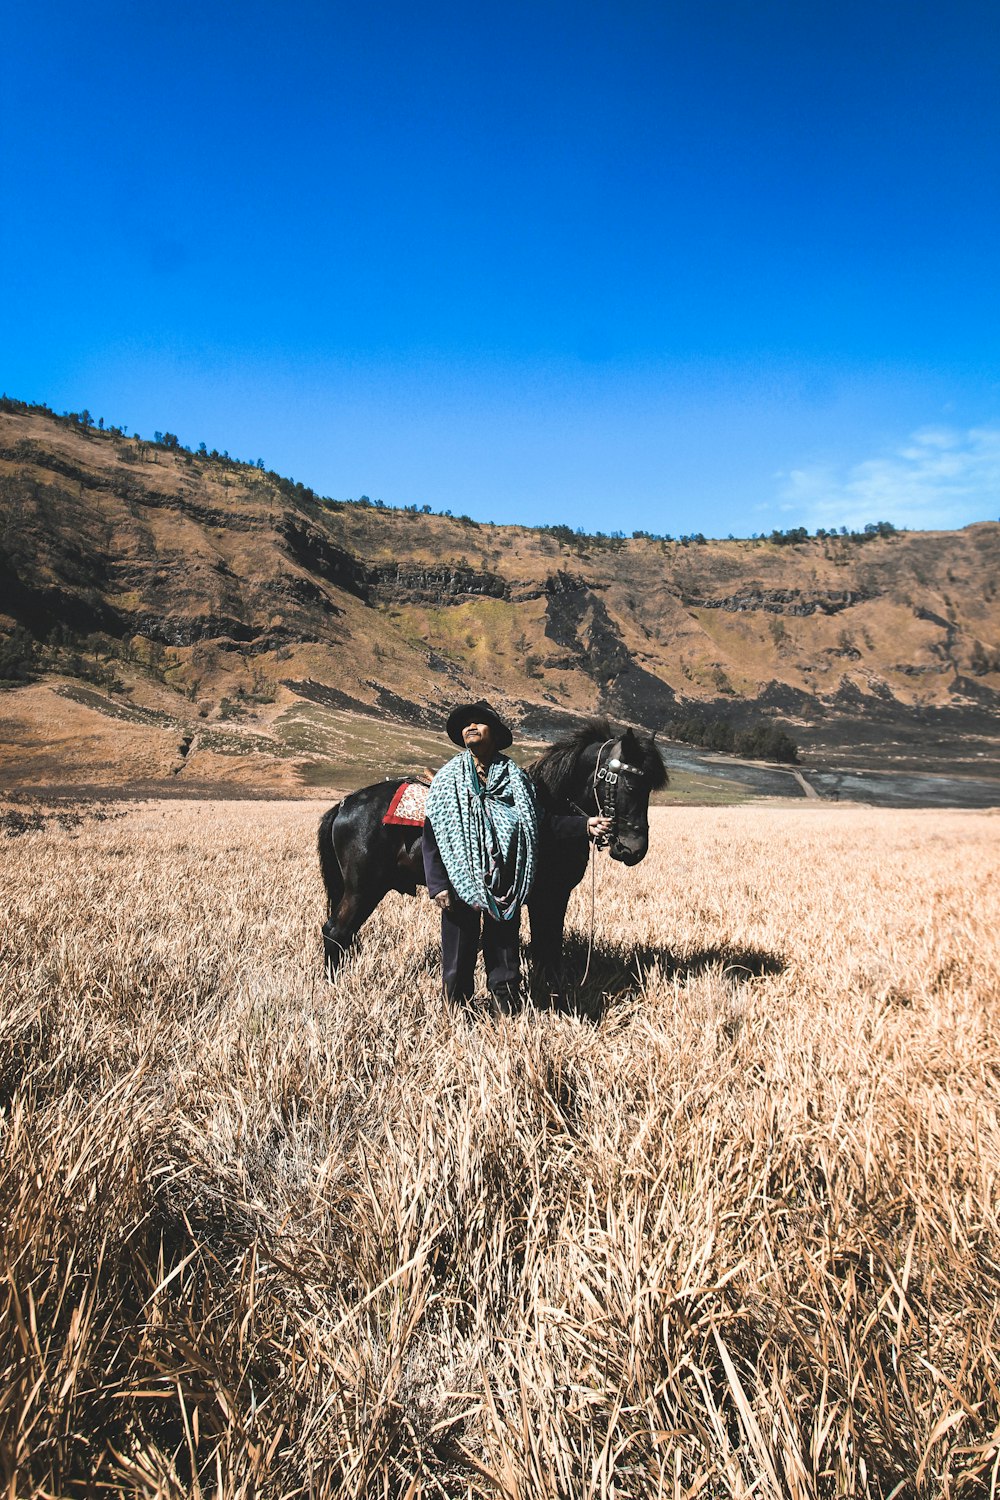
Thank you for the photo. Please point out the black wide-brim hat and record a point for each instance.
(478, 713)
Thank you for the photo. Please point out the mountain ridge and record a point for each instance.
(219, 582)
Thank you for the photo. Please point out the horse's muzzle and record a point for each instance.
(629, 851)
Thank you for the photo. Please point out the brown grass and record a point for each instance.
(262, 1235)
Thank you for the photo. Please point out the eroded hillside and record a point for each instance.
(212, 583)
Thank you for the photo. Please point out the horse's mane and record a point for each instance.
(553, 769)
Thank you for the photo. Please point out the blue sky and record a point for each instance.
(708, 266)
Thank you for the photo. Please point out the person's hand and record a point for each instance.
(598, 828)
(443, 899)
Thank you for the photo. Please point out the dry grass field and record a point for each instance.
(733, 1233)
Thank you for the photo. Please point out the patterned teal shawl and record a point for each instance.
(487, 835)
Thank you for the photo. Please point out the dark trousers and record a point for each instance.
(460, 938)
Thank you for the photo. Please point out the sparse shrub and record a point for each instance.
(262, 689)
(761, 742)
(767, 742)
(18, 656)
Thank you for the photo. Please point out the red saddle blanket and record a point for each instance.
(408, 804)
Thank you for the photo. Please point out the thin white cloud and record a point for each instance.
(939, 478)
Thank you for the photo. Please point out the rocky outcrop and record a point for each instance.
(312, 550)
(186, 630)
(554, 585)
(414, 583)
(450, 583)
(579, 622)
(778, 601)
(636, 695)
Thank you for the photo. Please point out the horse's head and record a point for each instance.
(625, 772)
(595, 769)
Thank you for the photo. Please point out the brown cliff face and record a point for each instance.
(206, 581)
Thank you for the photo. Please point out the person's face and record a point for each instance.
(479, 739)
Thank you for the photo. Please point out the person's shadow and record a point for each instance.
(620, 972)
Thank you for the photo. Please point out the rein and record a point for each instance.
(591, 852)
(606, 778)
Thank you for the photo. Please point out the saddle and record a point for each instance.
(408, 804)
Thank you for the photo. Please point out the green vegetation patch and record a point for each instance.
(112, 708)
(224, 743)
(348, 750)
(694, 789)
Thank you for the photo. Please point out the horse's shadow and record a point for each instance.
(618, 973)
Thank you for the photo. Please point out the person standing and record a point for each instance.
(480, 851)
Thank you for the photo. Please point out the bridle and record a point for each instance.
(607, 779)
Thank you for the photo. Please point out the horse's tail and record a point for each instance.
(333, 876)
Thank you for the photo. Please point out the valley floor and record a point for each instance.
(731, 1230)
(63, 739)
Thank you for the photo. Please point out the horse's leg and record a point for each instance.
(351, 913)
(333, 878)
(547, 915)
(359, 861)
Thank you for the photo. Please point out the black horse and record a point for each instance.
(594, 770)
